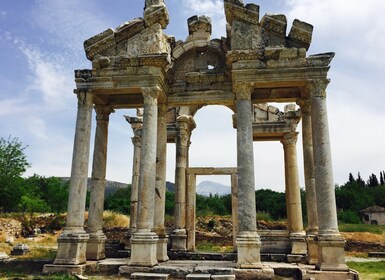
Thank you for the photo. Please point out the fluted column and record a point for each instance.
(72, 242)
(248, 240)
(96, 243)
(331, 254)
(160, 184)
(293, 195)
(311, 200)
(184, 126)
(144, 241)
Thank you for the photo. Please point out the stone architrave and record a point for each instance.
(248, 240)
(96, 243)
(160, 184)
(144, 240)
(293, 195)
(184, 126)
(72, 242)
(331, 253)
(311, 199)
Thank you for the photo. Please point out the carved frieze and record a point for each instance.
(275, 29)
(152, 40)
(300, 35)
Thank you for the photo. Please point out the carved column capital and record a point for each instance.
(136, 141)
(305, 106)
(85, 97)
(103, 112)
(150, 95)
(289, 138)
(243, 91)
(317, 87)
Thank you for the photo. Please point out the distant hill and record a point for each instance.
(113, 186)
(208, 187)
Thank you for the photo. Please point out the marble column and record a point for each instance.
(191, 212)
(179, 234)
(311, 202)
(248, 240)
(136, 125)
(72, 242)
(96, 243)
(144, 240)
(160, 184)
(293, 195)
(331, 253)
(234, 208)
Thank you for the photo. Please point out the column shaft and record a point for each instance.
(144, 241)
(330, 242)
(248, 241)
(293, 198)
(136, 140)
(95, 246)
(160, 184)
(191, 212)
(72, 241)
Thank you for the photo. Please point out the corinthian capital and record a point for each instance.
(243, 91)
(289, 138)
(85, 97)
(150, 95)
(103, 112)
(317, 87)
(305, 106)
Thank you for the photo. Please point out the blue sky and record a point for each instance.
(41, 43)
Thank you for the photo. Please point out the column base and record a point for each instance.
(331, 253)
(96, 246)
(249, 250)
(161, 249)
(179, 240)
(64, 269)
(312, 249)
(72, 248)
(298, 243)
(143, 249)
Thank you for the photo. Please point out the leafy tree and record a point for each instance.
(120, 201)
(271, 202)
(351, 178)
(373, 181)
(13, 163)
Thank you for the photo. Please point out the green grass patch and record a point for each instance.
(362, 228)
(205, 246)
(369, 270)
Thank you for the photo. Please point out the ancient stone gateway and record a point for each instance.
(138, 66)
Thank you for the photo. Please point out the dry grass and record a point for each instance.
(113, 219)
(364, 237)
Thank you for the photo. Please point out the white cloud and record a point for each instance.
(3, 14)
(212, 8)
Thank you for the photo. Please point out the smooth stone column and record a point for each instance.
(248, 240)
(179, 234)
(191, 212)
(234, 208)
(136, 125)
(293, 195)
(72, 242)
(311, 199)
(96, 243)
(160, 184)
(331, 253)
(144, 241)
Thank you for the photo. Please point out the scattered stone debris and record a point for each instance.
(20, 249)
(3, 256)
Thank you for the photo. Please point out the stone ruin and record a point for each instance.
(138, 66)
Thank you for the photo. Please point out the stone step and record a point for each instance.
(149, 276)
(198, 276)
(223, 277)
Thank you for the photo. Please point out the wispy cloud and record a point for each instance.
(3, 14)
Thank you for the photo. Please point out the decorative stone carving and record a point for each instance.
(199, 24)
(150, 95)
(317, 88)
(243, 91)
(275, 29)
(150, 41)
(300, 34)
(155, 11)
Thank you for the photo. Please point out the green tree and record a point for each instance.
(13, 163)
(119, 201)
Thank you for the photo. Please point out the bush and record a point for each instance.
(349, 217)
